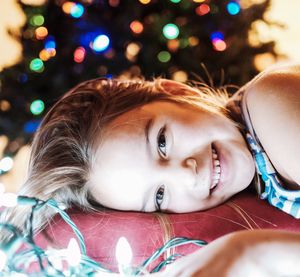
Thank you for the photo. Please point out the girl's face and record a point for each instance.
(160, 156)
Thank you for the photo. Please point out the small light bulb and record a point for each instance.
(8, 199)
(3, 259)
(73, 253)
(123, 252)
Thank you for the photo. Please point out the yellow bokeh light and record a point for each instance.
(133, 49)
(44, 55)
(180, 76)
(262, 61)
(145, 2)
(5, 105)
(193, 41)
(41, 32)
(67, 7)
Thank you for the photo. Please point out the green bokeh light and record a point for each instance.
(37, 65)
(164, 56)
(170, 31)
(37, 20)
(37, 107)
(175, 1)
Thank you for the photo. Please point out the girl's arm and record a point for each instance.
(273, 100)
(244, 253)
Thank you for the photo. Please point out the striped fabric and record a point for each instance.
(285, 200)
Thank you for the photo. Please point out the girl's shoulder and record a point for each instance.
(273, 103)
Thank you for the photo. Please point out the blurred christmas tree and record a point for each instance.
(67, 42)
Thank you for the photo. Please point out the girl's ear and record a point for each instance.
(173, 87)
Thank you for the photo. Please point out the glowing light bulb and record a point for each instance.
(170, 31)
(73, 254)
(100, 43)
(123, 252)
(3, 259)
(6, 164)
(8, 199)
(37, 107)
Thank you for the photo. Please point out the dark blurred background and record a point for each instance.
(53, 45)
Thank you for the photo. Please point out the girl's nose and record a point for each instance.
(191, 163)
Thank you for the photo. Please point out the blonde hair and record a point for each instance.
(63, 147)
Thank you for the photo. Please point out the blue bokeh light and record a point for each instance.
(77, 10)
(100, 43)
(233, 8)
(31, 126)
(50, 43)
(217, 36)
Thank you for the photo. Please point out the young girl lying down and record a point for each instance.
(165, 146)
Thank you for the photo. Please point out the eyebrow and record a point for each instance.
(148, 125)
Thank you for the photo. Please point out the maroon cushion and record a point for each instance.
(148, 231)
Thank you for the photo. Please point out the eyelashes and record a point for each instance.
(159, 197)
(162, 142)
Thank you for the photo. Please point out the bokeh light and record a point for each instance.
(170, 31)
(31, 126)
(114, 3)
(37, 107)
(180, 76)
(4, 105)
(233, 8)
(79, 54)
(6, 164)
(37, 20)
(145, 2)
(136, 27)
(67, 7)
(164, 56)
(219, 45)
(175, 1)
(193, 41)
(77, 10)
(41, 33)
(100, 43)
(202, 9)
(173, 45)
(44, 55)
(37, 65)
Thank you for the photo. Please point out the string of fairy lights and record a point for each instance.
(21, 256)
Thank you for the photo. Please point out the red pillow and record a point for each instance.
(146, 232)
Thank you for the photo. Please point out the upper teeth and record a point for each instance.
(217, 169)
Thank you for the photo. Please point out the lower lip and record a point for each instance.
(223, 167)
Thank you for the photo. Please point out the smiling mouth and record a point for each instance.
(216, 176)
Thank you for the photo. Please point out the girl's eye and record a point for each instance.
(161, 142)
(159, 197)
